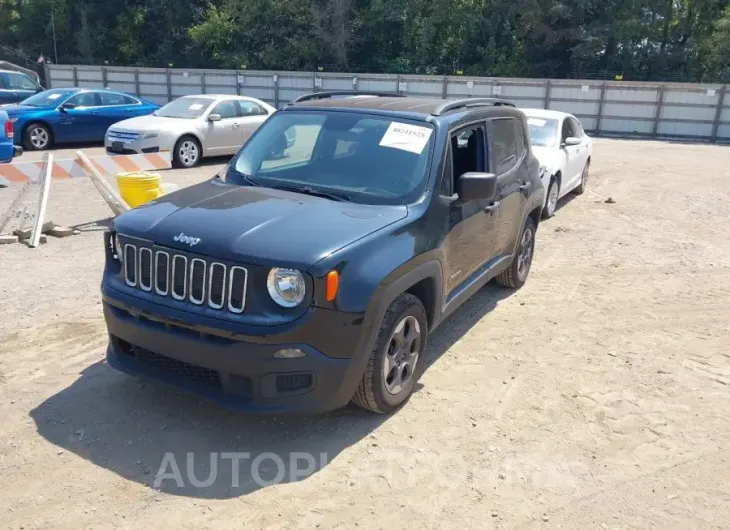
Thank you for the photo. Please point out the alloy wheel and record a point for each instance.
(402, 355)
(188, 153)
(39, 137)
(524, 254)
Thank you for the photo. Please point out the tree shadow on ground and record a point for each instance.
(143, 430)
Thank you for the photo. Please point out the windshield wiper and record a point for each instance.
(307, 190)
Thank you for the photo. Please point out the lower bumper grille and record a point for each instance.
(180, 369)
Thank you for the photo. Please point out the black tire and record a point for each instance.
(516, 276)
(580, 190)
(549, 209)
(37, 137)
(179, 160)
(372, 393)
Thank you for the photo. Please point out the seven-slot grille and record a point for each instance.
(185, 278)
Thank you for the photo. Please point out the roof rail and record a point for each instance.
(470, 102)
(6, 65)
(351, 93)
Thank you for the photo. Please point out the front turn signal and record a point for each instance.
(333, 282)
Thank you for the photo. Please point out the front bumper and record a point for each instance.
(236, 374)
(124, 147)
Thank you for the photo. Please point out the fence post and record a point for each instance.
(203, 86)
(47, 75)
(238, 85)
(103, 76)
(136, 82)
(397, 84)
(445, 87)
(314, 81)
(169, 84)
(548, 90)
(718, 113)
(75, 76)
(601, 104)
(658, 113)
(276, 91)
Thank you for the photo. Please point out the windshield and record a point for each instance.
(543, 131)
(48, 97)
(185, 108)
(357, 157)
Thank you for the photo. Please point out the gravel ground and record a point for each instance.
(595, 397)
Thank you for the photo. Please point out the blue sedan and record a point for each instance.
(69, 115)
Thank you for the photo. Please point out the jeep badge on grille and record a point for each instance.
(182, 238)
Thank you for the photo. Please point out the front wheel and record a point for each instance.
(551, 201)
(516, 276)
(37, 137)
(583, 180)
(187, 152)
(391, 371)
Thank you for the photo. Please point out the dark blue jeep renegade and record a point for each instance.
(310, 272)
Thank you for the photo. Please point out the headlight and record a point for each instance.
(148, 134)
(13, 120)
(117, 248)
(286, 286)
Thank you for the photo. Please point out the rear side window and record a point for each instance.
(504, 144)
(109, 99)
(20, 82)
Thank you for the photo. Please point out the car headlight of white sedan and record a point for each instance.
(286, 286)
(148, 134)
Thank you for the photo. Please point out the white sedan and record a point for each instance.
(564, 151)
(191, 127)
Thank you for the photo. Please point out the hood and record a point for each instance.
(254, 225)
(15, 109)
(151, 123)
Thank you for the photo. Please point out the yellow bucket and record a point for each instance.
(139, 187)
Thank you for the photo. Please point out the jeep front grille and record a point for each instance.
(194, 279)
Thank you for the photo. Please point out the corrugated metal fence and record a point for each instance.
(612, 108)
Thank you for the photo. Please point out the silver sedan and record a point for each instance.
(191, 127)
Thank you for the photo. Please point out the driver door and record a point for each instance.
(572, 153)
(223, 137)
(79, 124)
(471, 236)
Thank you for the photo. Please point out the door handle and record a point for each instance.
(526, 186)
(492, 207)
(94, 112)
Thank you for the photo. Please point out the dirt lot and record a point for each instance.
(595, 397)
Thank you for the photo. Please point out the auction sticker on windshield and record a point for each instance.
(537, 122)
(406, 137)
(54, 96)
(195, 106)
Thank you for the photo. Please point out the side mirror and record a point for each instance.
(67, 106)
(476, 186)
(571, 140)
(214, 117)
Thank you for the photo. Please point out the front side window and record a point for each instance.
(185, 108)
(363, 158)
(226, 109)
(249, 108)
(543, 131)
(577, 128)
(20, 82)
(567, 129)
(85, 99)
